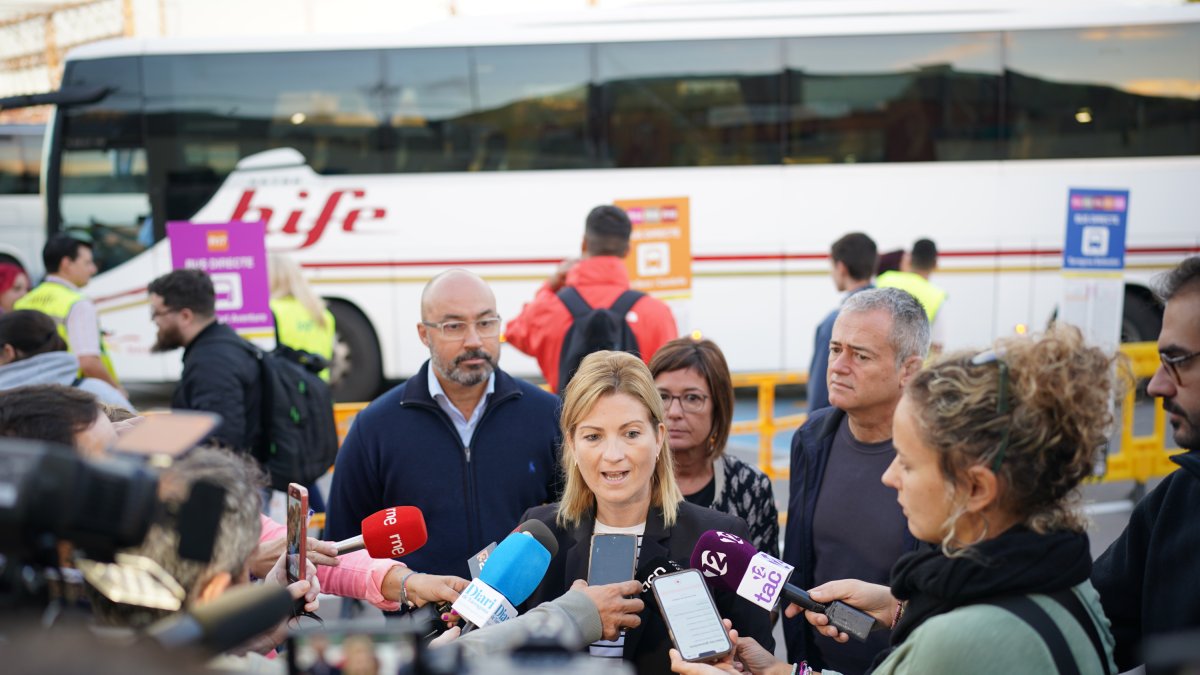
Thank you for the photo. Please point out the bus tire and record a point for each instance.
(357, 373)
(1141, 320)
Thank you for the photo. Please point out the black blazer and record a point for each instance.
(646, 646)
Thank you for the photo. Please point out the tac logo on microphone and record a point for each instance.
(714, 563)
(729, 538)
(764, 580)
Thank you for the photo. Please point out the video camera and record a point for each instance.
(49, 494)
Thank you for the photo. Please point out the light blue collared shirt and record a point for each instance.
(464, 426)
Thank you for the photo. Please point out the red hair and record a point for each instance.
(8, 275)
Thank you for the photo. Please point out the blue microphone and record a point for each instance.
(513, 571)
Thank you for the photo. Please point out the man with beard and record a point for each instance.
(219, 374)
(461, 440)
(1147, 578)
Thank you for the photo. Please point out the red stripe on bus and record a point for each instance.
(747, 257)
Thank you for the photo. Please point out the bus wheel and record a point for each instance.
(1141, 319)
(356, 373)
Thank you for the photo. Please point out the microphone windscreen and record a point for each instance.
(539, 531)
(516, 567)
(722, 558)
(241, 613)
(656, 567)
(393, 532)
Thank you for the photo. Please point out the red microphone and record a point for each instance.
(389, 533)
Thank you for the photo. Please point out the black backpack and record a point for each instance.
(299, 436)
(594, 330)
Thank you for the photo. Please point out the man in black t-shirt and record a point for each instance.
(842, 521)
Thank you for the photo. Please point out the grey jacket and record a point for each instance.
(58, 368)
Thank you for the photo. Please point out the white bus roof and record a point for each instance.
(720, 19)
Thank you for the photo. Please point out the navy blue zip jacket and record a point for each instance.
(811, 446)
(404, 450)
(1147, 578)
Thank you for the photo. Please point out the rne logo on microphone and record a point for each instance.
(389, 516)
(714, 563)
(397, 545)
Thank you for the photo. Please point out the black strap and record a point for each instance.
(575, 303)
(579, 307)
(1028, 611)
(626, 302)
(77, 381)
(1070, 601)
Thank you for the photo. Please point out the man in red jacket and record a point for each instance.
(599, 276)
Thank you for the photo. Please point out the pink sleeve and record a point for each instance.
(358, 575)
(270, 529)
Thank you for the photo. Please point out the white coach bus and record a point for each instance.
(22, 233)
(380, 161)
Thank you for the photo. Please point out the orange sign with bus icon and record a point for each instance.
(660, 255)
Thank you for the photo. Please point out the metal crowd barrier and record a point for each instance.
(1139, 458)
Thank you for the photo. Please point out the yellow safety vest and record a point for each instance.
(55, 300)
(298, 330)
(931, 297)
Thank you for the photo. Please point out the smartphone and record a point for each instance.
(297, 532)
(613, 558)
(691, 615)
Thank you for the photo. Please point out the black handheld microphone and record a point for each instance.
(729, 562)
(218, 626)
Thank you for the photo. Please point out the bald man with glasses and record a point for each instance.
(463, 441)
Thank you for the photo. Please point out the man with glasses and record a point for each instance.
(1147, 579)
(219, 374)
(843, 522)
(463, 441)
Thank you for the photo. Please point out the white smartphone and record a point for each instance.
(691, 616)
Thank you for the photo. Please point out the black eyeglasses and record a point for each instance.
(1171, 365)
(1002, 408)
(690, 402)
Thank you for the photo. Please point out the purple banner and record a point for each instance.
(235, 256)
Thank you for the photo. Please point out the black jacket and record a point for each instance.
(1147, 578)
(221, 376)
(646, 646)
(811, 446)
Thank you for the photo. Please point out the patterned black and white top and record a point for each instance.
(743, 490)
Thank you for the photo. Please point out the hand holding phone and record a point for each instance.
(691, 615)
(297, 532)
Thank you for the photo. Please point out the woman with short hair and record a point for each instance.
(693, 380)
(620, 480)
